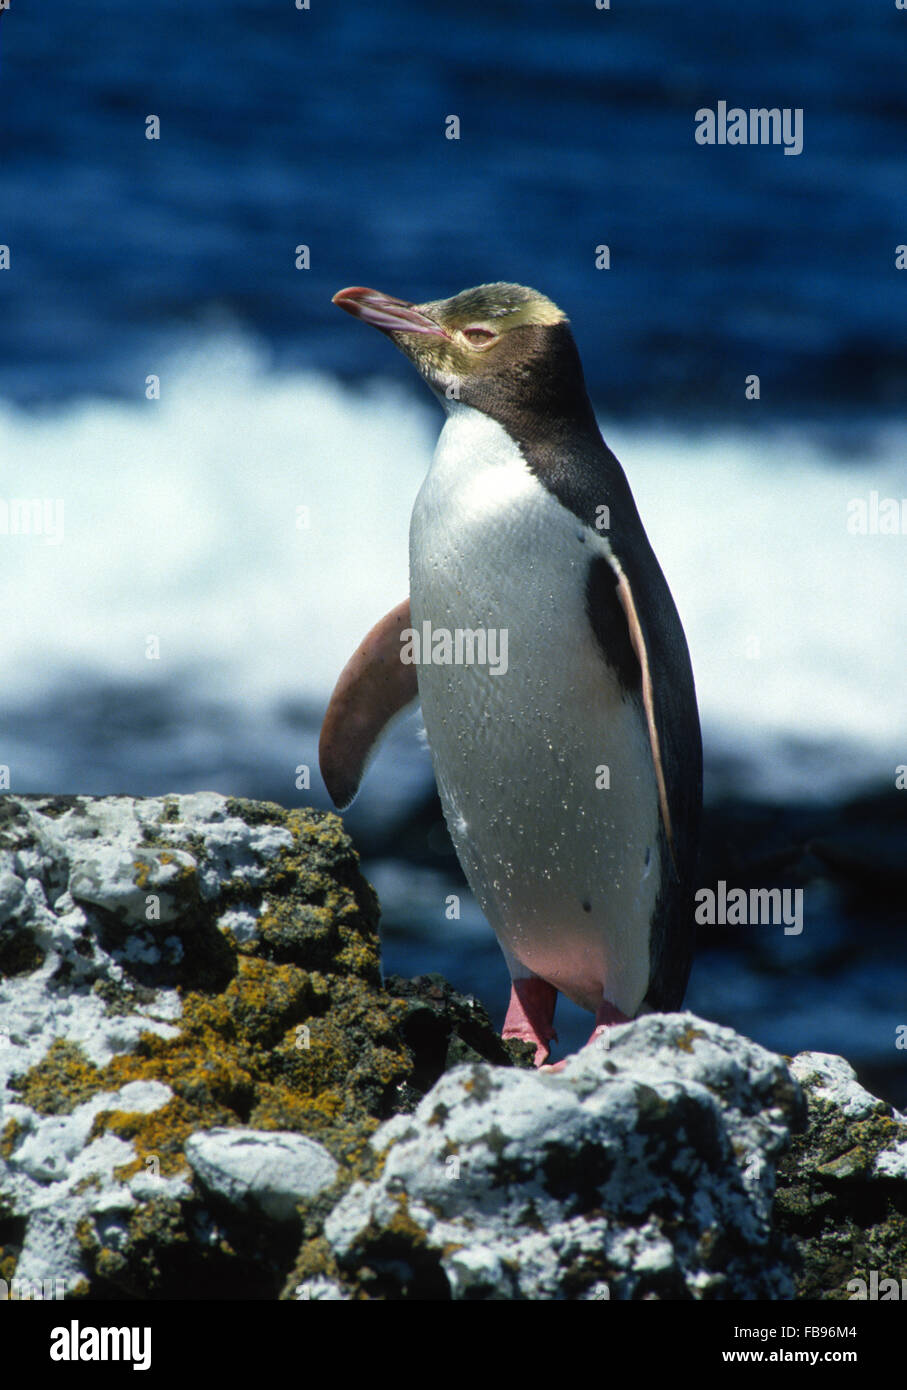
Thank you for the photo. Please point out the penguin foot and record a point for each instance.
(606, 1016)
(530, 1015)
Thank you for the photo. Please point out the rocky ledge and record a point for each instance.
(207, 1090)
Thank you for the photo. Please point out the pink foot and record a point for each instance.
(606, 1015)
(530, 1014)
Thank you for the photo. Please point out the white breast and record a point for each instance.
(566, 872)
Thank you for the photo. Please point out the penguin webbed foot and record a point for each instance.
(607, 1015)
(530, 1015)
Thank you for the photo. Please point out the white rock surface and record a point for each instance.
(54, 868)
(266, 1169)
(834, 1080)
(56, 1177)
(646, 1167)
(93, 883)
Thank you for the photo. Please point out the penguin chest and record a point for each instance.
(541, 755)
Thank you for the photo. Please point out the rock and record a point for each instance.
(842, 1189)
(170, 967)
(645, 1169)
(443, 1028)
(270, 1172)
(205, 1084)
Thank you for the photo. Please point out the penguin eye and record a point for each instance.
(479, 337)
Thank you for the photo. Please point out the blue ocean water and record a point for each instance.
(325, 127)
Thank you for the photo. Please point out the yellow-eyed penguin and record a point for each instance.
(543, 642)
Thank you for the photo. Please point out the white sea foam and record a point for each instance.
(181, 522)
(796, 626)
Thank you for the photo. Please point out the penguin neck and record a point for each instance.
(537, 391)
(556, 436)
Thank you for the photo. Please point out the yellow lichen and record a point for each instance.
(686, 1039)
(11, 1131)
(60, 1082)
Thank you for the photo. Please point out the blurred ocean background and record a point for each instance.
(254, 518)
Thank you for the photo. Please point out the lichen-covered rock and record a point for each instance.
(197, 1051)
(443, 1028)
(644, 1169)
(842, 1189)
(169, 966)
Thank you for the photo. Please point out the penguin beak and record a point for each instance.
(385, 312)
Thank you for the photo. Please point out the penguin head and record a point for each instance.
(497, 347)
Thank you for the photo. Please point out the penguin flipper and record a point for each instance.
(373, 687)
(638, 642)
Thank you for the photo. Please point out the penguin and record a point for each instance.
(541, 638)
